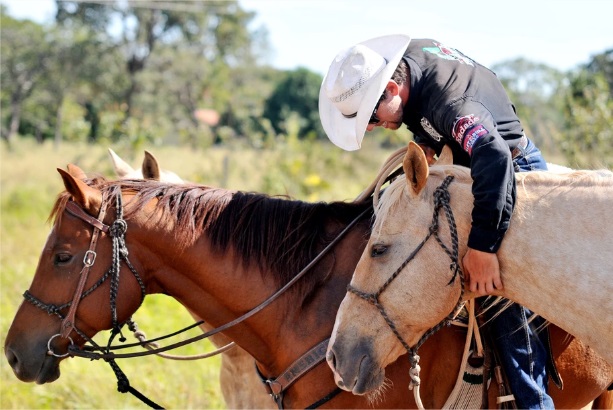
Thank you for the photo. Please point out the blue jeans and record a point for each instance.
(522, 352)
(530, 159)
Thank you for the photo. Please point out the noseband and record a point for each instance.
(441, 200)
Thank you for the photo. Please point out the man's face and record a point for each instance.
(389, 112)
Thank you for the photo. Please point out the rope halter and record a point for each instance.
(441, 201)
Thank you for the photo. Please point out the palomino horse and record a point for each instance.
(240, 385)
(220, 253)
(555, 259)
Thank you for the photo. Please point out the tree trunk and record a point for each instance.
(15, 120)
(59, 115)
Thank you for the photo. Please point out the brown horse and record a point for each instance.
(220, 253)
(240, 385)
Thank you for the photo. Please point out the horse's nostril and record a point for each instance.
(331, 359)
(12, 358)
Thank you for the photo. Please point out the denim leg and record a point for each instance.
(530, 159)
(522, 353)
(523, 356)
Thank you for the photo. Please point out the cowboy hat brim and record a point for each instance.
(347, 133)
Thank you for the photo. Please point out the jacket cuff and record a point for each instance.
(485, 240)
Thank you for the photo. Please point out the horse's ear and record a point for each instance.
(446, 157)
(122, 168)
(415, 167)
(150, 168)
(89, 198)
(76, 172)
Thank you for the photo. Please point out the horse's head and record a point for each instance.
(75, 284)
(401, 285)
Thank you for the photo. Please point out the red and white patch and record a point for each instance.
(472, 135)
(461, 125)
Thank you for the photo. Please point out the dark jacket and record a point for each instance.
(455, 101)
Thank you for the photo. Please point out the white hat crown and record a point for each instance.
(350, 74)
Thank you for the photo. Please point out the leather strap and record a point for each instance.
(552, 368)
(76, 210)
(277, 386)
(521, 145)
(88, 260)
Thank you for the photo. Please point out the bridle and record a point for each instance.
(441, 201)
(117, 232)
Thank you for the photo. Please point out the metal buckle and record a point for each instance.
(89, 258)
(275, 388)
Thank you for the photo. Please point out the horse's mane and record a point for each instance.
(392, 196)
(602, 177)
(274, 233)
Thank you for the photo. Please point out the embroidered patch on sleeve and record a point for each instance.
(461, 125)
(472, 135)
(448, 53)
(430, 129)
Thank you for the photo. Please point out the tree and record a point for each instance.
(79, 64)
(603, 64)
(588, 140)
(537, 92)
(25, 56)
(296, 93)
(215, 29)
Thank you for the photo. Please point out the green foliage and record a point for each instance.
(296, 93)
(588, 141)
(603, 64)
(131, 72)
(535, 90)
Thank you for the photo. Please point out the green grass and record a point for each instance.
(29, 184)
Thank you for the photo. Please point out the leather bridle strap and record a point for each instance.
(276, 387)
(88, 260)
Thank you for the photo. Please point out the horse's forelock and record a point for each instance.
(394, 194)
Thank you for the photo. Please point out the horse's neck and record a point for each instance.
(218, 288)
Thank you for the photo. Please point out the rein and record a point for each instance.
(90, 354)
(120, 252)
(441, 201)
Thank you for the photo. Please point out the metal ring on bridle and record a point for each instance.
(50, 351)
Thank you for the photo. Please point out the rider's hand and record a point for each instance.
(482, 271)
(430, 153)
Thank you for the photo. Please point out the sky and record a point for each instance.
(309, 33)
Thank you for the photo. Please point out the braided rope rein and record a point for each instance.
(441, 201)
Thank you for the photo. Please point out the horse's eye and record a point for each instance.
(62, 258)
(378, 250)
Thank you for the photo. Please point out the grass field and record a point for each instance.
(29, 184)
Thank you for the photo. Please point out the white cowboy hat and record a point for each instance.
(354, 82)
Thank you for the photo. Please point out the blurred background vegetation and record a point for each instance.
(190, 84)
(194, 75)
